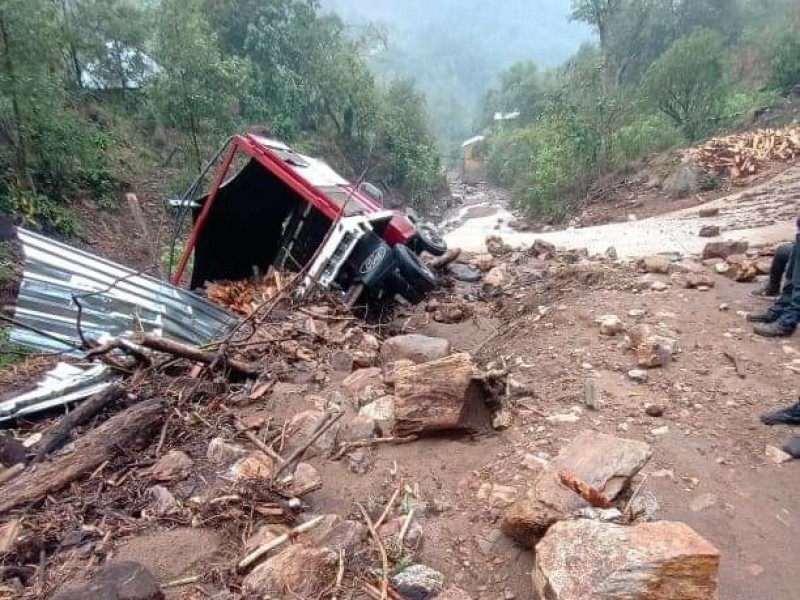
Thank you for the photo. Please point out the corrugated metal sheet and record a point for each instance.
(125, 302)
(63, 384)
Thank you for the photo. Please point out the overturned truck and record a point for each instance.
(272, 207)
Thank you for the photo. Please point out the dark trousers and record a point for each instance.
(776, 270)
(786, 309)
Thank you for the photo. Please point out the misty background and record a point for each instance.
(456, 49)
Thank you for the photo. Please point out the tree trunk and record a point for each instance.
(441, 395)
(127, 430)
(21, 148)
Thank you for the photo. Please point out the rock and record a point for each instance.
(638, 375)
(495, 245)
(722, 268)
(464, 272)
(483, 262)
(777, 455)
(361, 428)
(496, 278)
(359, 462)
(116, 581)
(305, 476)
(337, 534)
(709, 231)
(418, 582)
(381, 410)
(364, 385)
(611, 253)
(12, 451)
(655, 264)
(611, 325)
(605, 462)
(255, 466)
(303, 425)
(170, 554)
(564, 418)
(684, 180)
(659, 286)
(306, 571)
(390, 370)
(637, 313)
(652, 350)
(173, 465)
(527, 520)
(499, 495)
(454, 593)
(542, 249)
(696, 280)
(591, 560)
(414, 537)
(415, 347)
(746, 272)
(654, 410)
(708, 212)
(702, 502)
(659, 431)
(162, 501)
(223, 452)
(342, 361)
(502, 419)
(723, 249)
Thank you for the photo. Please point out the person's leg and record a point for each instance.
(783, 416)
(778, 267)
(784, 301)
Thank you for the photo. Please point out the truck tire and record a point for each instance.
(409, 292)
(429, 240)
(413, 270)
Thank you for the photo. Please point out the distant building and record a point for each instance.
(474, 165)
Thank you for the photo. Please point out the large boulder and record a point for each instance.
(591, 560)
(684, 181)
(418, 582)
(724, 249)
(415, 347)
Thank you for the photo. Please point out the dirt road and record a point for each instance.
(765, 213)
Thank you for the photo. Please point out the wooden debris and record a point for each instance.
(120, 431)
(193, 353)
(584, 490)
(279, 541)
(744, 154)
(244, 297)
(440, 395)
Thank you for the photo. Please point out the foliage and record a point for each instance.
(785, 51)
(687, 83)
(197, 87)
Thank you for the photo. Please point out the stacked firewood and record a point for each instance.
(744, 154)
(243, 297)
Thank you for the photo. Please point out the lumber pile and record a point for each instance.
(744, 154)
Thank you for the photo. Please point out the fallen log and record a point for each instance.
(195, 354)
(440, 395)
(59, 434)
(127, 429)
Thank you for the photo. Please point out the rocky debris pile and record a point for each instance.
(744, 154)
(591, 537)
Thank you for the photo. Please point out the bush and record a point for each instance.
(786, 59)
(687, 83)
(646, 134)
(39, 212)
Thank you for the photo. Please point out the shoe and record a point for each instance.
(786, 416)
(762, 317)
(773, 330)
(792, 447)
(764, 292)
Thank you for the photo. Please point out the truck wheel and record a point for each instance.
(409, 292)
(429, 240)
(413, 270)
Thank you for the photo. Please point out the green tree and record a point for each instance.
(687, 83)
(197, 87)
(785, 53)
